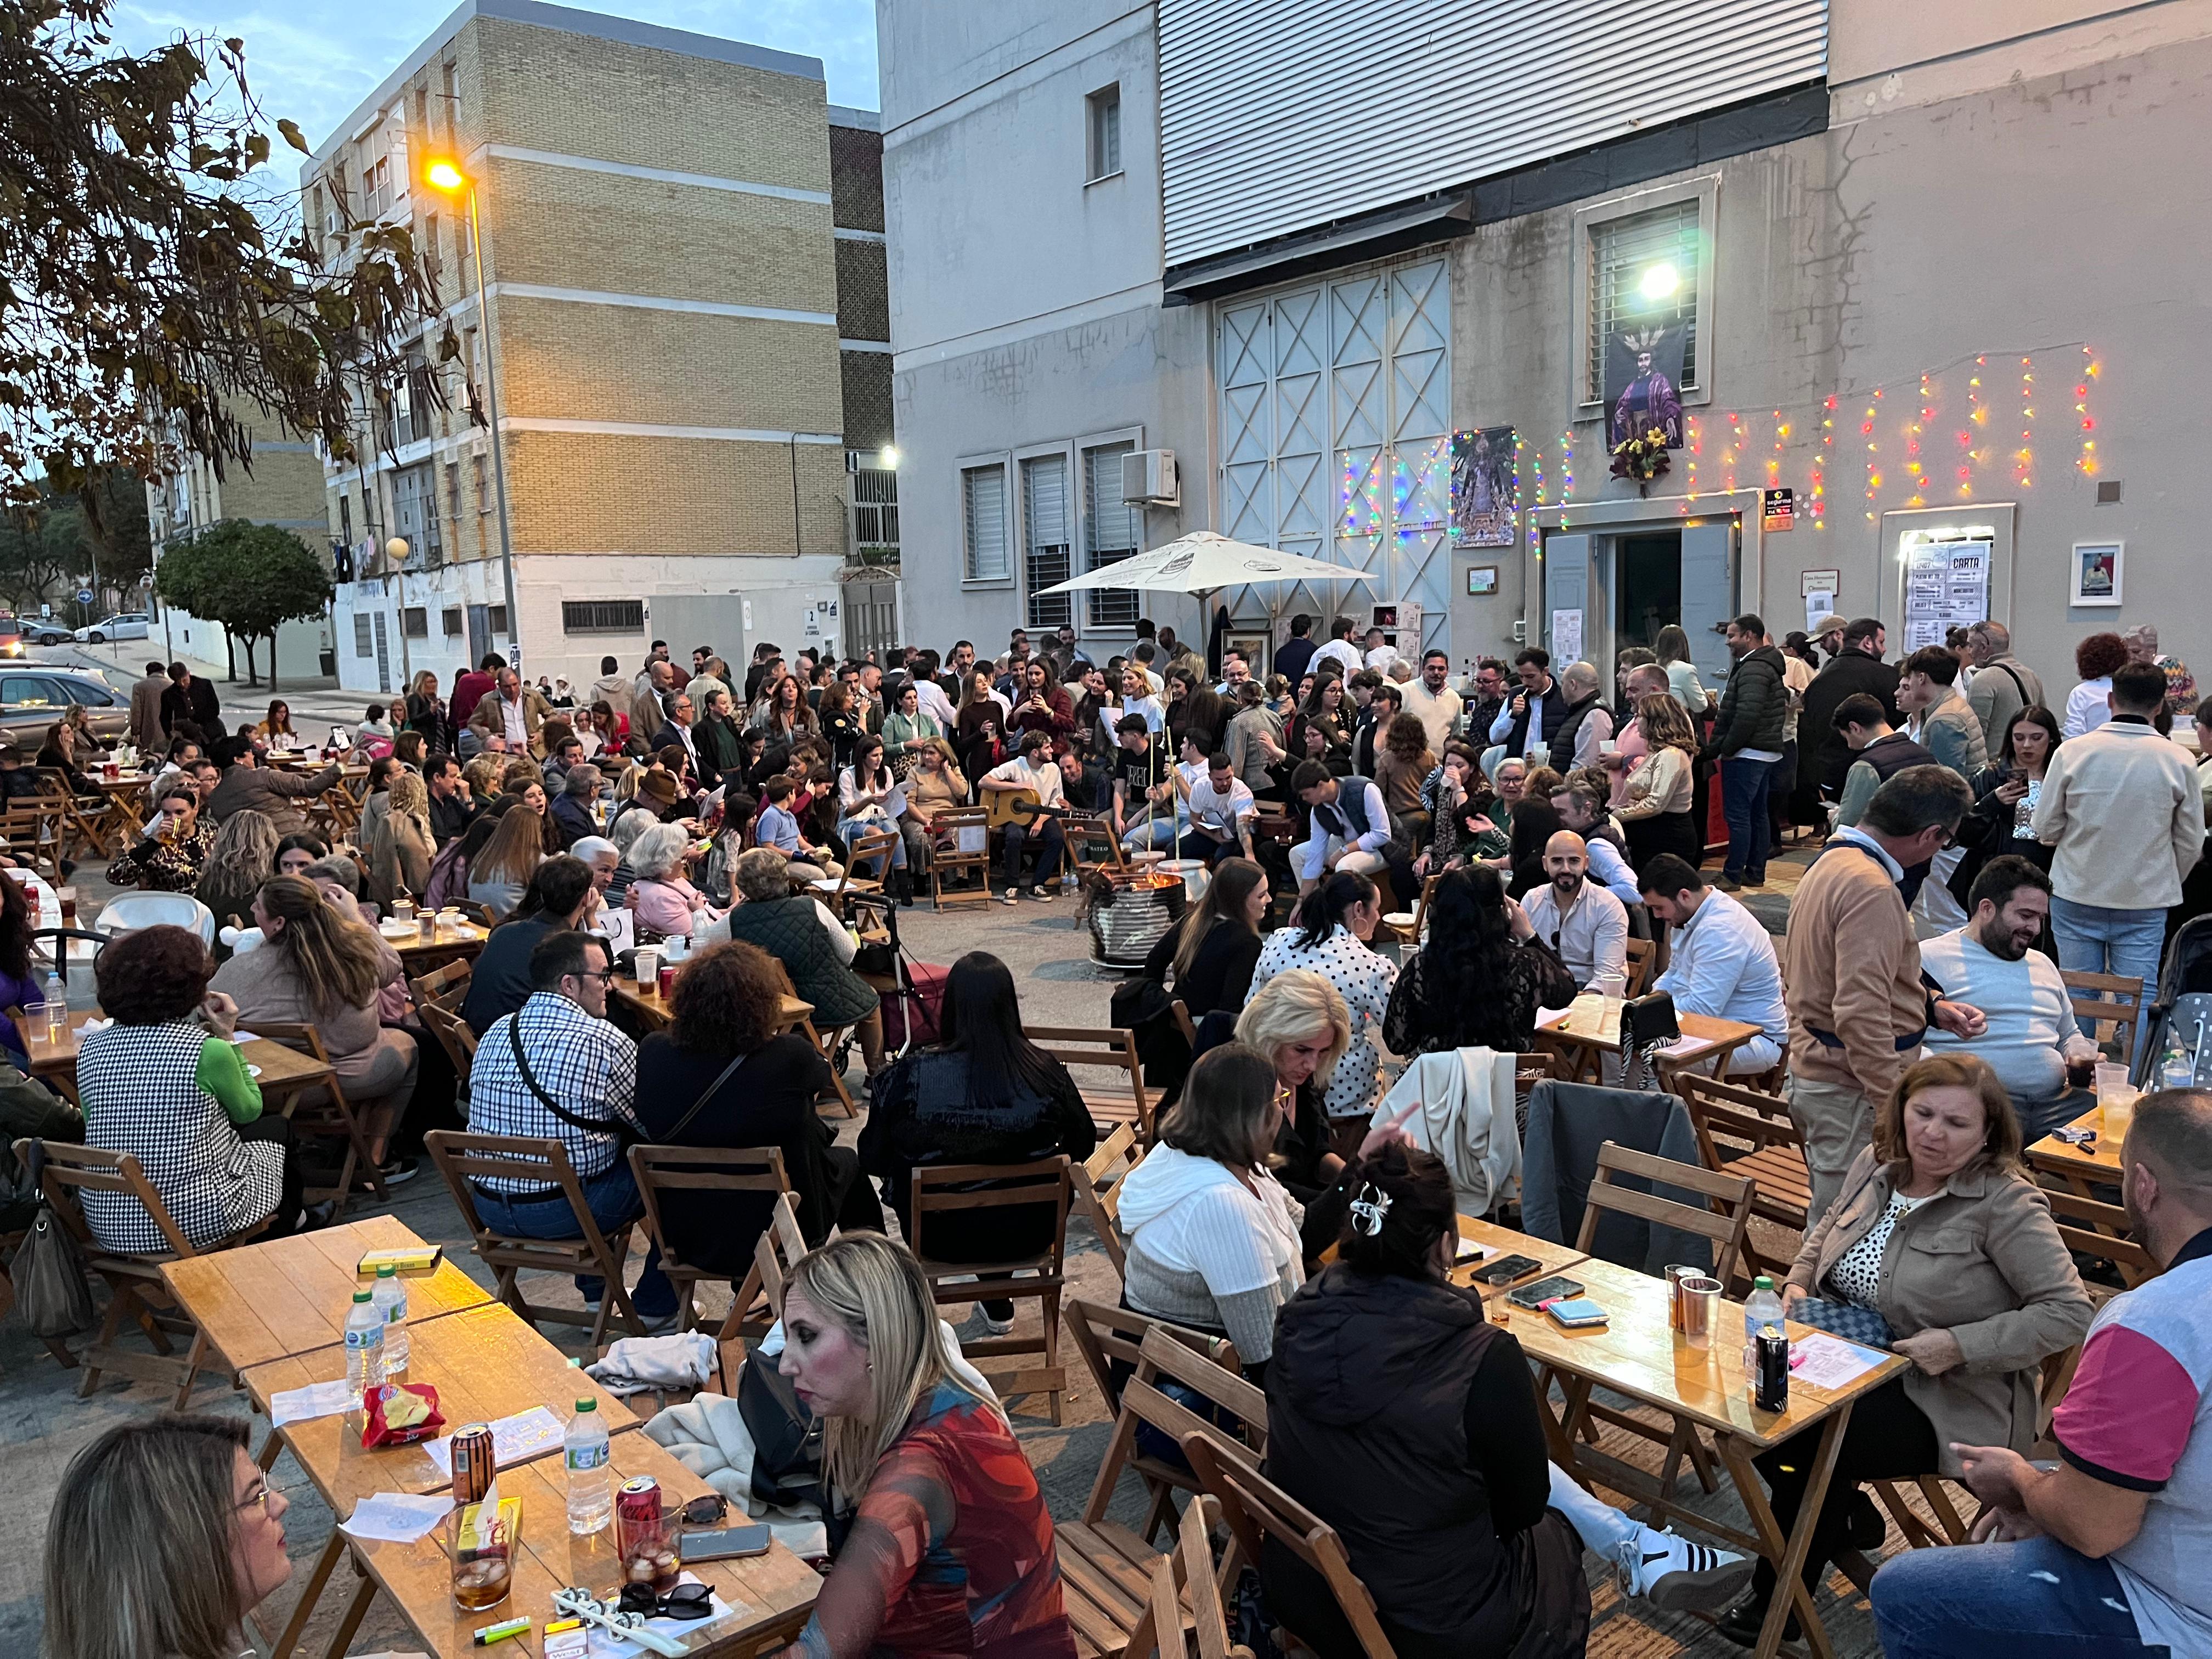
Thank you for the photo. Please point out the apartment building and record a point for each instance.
(1381, 276)
(665, 333)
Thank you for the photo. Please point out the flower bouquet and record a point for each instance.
(1642, 458)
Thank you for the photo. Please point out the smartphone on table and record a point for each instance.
(727, 1543)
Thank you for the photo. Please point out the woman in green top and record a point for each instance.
(1673, 648)
(904, 730)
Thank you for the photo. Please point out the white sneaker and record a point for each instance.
(1009, 898)
(996, 1327)
(1674, 1573)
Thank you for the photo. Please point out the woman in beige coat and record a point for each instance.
(1938, 1230)
(400, 848)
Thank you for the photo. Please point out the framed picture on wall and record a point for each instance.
(2095, 577)
(1253, 647)
(1481, 580)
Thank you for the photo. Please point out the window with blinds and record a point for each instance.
(1112, 530)
(983, 514)
(1621, 250)
(1045, 540)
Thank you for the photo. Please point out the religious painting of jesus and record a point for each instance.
(1643, 371)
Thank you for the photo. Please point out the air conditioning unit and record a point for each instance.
(1148, 476)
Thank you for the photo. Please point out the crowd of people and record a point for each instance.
(1976, 842)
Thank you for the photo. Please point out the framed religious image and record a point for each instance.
(2095, 577)
(1483, 493)
(1643, 369)
(1253, 647)
(1481, 580)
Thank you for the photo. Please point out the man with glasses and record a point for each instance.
(557, 1069)
(1858, 1007)
(1586, 927)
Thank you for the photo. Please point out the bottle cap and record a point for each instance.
(1763, 1282)
(360, 1296)
(587, 1404)
(386, 1270)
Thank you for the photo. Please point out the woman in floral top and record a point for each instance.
(1329, 935)
(943, 1543)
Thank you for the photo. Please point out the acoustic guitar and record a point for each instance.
(1022, 806)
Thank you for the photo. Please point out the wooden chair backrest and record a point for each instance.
(1725, 1223)
(2102, 999)
(1107, 1334)
(2094, 1229)
(1104, 1045)
(1104, 1172)
(876, 845)
(1089, 832)
(1421, 904)
(71, 1169)
(453, 1035)
(1256, 1509)
(944, 840)
(1167, 1353)
(1185, 1576)
(462, 1157)
(1641, 953)
(1735, 1110)
(661, 1170)
(943, 1187)
(444, 986)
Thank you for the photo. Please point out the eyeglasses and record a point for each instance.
(606, 976)
(258, 1498)
(684, 1601)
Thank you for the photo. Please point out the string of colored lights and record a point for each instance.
(2085, 462)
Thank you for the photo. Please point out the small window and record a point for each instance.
(364, 645)
(453, 492)
(1105, 149)
(345, 519)
(452, 617)
(1045, 539)
(415, 623)
(1643, 276)
(603, 615)
(497, 619)
(483, 482)
(983, 509)
(1111, 529)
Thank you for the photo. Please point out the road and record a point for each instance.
(120, 663)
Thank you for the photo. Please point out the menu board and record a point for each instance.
(1947, 584)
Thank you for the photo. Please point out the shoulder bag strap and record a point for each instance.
(699, 1105)
(2017, 684)
(596, 1125)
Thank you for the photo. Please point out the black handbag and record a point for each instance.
(1646, 1022)
(786, 1437)
(51, 1291)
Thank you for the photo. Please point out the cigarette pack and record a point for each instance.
(408, 1259)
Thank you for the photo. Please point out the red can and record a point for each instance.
(647, 1552)
(667, 981)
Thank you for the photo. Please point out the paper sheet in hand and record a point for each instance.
(514, 1439)
(316, 1400)
(396, 1517)
(1832, 1363)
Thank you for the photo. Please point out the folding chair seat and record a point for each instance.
(1102, 1047)
(661, 1171)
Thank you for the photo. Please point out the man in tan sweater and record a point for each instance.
(1857, 1007)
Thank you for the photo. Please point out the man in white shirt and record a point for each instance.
(1033, 770)
(1992, 964)
(929, 697)
(1381, 655)
(1222, 811)
(1340, 650)
(1723, 964)
(1432, 701)
(1585, 926)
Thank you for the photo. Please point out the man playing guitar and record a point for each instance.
(1033, 773)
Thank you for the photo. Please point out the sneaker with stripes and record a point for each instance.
(1674, 1573)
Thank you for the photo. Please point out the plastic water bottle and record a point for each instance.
(591, 1483)
(1764, 1307)
(364, 1346)
(2176, 1070)
(390, 1298)
(56, 1005)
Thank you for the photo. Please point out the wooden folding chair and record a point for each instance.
(453, 1036)
(463, 1159)
(875, 847)
(1184, 1585)
(1156, 1349)
(826, 1043)
(1642, 957)
(321, 1111)
(1742, 1131)
(92, 828)
(1405, 925)
(1091, 844)
(1110, 1048)
(1043, 1277)
(2106, 1000)
(1256, 1509)
(33, 827)
(1098, 1194)
(2098, 1230)
(663, 1169)
(759, 1301)
(136, 1288)
(447, 985)
(946, 859)
(1109, 1339)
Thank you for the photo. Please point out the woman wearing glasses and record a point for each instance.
(118, 1585)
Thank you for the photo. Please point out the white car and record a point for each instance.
(127, 625)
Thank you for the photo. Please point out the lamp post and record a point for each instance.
(447, 177)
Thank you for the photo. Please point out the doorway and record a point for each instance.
(1649, 586)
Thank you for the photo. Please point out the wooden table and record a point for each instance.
(2081, 1168)
(770, 1594)
(460, 940)
(1591, 1028)
(284, 1071)
(261, 1303)
(1502, 1241)
(651, 1008)
(1638, 1355)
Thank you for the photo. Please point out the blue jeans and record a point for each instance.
(1162, 832)
(1743, 802)
(613, 1201)
(850, 830)
(2034, 1600)
(2092, 939)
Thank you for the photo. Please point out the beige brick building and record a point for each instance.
(677, 369)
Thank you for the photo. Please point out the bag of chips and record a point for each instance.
(399, 1414)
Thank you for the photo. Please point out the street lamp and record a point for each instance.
(447, 177)
(1659, 282)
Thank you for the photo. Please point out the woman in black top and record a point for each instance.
(1480, 979)
(984, 1094)
(724, 1010)
(1407, 1421)
(1214, 949)
(2005, 793)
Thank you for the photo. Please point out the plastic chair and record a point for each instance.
(131, 913)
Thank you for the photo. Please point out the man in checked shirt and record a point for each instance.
(557, 1069)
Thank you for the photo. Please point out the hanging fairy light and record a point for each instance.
(2024, 458)
(1820, 464)
(1873, 452)
(2086, 462)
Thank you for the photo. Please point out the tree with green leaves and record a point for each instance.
(156, 285)
(251, 578)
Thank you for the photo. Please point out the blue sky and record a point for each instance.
(313, 60)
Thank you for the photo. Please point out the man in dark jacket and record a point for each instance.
(1293, 655)
(1858, 668)
(1539, 697)
(189, 708)
(1748, 740)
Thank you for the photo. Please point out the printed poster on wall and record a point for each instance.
(1947, 584)
(1642, 372)
(1567, 638)
(1483, 496)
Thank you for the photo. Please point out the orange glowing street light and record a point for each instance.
(442, 175)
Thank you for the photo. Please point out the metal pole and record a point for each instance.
(498, 455)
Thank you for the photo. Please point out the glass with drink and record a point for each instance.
(67, 896)
(477, 1543)
(642, 1545)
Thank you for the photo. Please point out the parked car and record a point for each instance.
(11, 635)
(31, 701)
(125, 625)
(49, 633)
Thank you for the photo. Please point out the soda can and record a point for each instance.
(1772, 1391)
(637, 1516)
(474, 1464)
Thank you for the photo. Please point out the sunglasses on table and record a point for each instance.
(699, 1511)
(684, 1601)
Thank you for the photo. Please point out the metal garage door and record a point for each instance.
(1336, 437)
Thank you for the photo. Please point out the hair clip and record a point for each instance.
(1369, 1209)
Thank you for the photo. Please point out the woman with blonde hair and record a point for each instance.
(1655, 804)
(482, 776)
(502, 867)
(319, 967)
(402, 845)
(241, 857)
(934, 785)
(1299, 1022)
(949, 1546)
(425, 710)
(165, 1534)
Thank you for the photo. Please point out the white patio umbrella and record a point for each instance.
(1204, 562)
